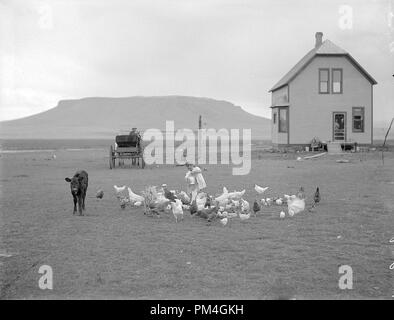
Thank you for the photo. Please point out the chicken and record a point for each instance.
(256, 207)
(235, 203)
(168, 194)
(224, 221)
(222, 214)
(244, 205)
(236, 195)
(138, 203)
(317, 195)
(119, 189)
(301, 193)
(316, 199)
(201, 199)
(100, 194)
(292, 197)
(244, 216)
(208, 213)
(232, 214)
(263, 202)
(177, 210)
(282, 214)
(208, 202)
(193, 207)
(223, 198)
(124, 202)
(269, 201)
(184, 197)
(295, 206)
(134, 197)
(259, 189)
(279, 201)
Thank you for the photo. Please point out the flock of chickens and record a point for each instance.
(222, 208)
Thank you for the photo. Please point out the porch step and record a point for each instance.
(334, 148)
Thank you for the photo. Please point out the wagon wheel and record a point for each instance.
(111, 157)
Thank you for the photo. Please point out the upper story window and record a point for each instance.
(337, 81)
(324, 80)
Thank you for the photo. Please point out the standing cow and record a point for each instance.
(79, 186)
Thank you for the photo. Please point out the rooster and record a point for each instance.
(256, 207)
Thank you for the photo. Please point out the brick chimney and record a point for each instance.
(319, 39)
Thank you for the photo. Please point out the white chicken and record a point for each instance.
(224, 221)
(223, 198)
(259, 189)
(263, 202)
(279, 201)
(287, 197)
(236, 195)
(222, 214)
(235, 203)
(244, 216)
(282, 215)
(138, 203)
(201, 200)
(232, 214)
(245, 205)
(295, 205)
(177, 210)
(135, 197)
(119, 189)
(269, 201)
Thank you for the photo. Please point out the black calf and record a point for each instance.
(79, 186)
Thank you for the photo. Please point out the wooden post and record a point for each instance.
(385, 138)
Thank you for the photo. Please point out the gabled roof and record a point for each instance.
(327, 48)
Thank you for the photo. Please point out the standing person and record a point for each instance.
(195, 180)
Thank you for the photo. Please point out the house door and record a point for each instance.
(339, 126)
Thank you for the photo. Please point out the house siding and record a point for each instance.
(311, 113)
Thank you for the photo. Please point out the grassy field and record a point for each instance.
(115, 253)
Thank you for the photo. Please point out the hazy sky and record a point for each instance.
(233, 50)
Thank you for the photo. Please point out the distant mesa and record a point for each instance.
(102, 118)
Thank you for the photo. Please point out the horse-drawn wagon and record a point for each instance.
(127, 147)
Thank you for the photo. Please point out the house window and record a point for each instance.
(358, 119)
(283, 119)
(324, 80)
(336, 80)
(274, 119)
